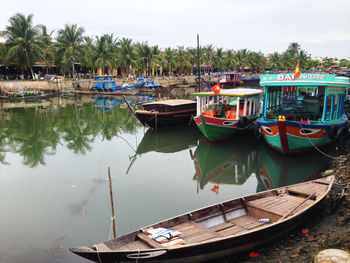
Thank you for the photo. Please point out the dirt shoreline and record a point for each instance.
(328, 227)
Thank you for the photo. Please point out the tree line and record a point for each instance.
(26, 43)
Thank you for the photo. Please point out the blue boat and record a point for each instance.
(103, 83)
(106, 83)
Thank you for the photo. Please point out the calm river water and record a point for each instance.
(54, 182)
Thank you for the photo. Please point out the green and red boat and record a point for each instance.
(227, 113)
(304, 113)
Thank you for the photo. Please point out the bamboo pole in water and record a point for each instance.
(112, 204)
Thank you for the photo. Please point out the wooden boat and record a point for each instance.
(105, 85)
(228, 79)
(304, 113)
(165, 113)
(150, 86)
(217, 230)
(228, 113)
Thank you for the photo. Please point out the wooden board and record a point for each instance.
(192, 232)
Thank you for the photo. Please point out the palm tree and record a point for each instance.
(169, 59)
(219, 59)
(208, 56)
(242, 58)
(70, 45)
(274, 61)
(3, 53)
(181, 59)
(105, 53)
(127, 54)
(47, 47)
(303, 58)
(192, 58)
(256, 61)
(87, 59)
(22, 39)
(230, 59)
(155, 58)
(143, 57)
(286, 61)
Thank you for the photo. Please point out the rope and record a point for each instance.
(138, 255)
(319, 150)
(98, 254)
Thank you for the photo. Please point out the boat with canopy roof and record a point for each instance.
(304, 113)
(227, 113)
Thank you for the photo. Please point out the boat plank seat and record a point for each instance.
(308, 189)
(149, 241)
(102, 247)
(274, 207)
(241, 224)
(192, 232)
(222, 226)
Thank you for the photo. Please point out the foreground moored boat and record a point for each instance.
(217, 230)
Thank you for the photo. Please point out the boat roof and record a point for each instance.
(238, 92)
(174, 102)
(305, 79)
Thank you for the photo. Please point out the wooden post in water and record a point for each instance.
(112, 204)
(198, 65)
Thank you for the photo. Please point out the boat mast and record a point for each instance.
(198, 65)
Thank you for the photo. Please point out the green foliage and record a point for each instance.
(26, 44)
(69, 46)
(35, 133)
(22, 41)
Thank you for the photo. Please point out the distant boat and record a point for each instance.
(304, 113)
(217, 230)
(150, 86)
(228, 79)
(106, 85)
(165, 113)
(228, 113)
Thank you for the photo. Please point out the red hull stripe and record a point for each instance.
(283, 136)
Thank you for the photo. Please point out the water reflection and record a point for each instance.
(34, 133)
(231, 162)
(168, 140)
(277, 170)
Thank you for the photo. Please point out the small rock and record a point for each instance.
(327, 173)
(332, 256)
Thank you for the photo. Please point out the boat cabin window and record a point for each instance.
(227, 106)
(305, 104)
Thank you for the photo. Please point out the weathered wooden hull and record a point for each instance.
(292, 137)
(200, 253)
(165, 119)
(216, 247)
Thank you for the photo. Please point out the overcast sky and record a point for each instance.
(321, 27)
